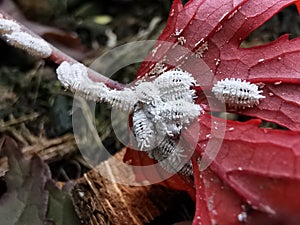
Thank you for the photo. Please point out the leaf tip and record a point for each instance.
(297, 3)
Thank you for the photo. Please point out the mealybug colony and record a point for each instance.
(166, 106)
(160, 109)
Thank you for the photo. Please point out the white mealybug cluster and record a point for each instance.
(166, 106)
(160, 109)
(12, 32)
(8, 26)
(237, 93)
(75, 77)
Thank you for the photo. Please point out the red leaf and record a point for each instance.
(257, 165)
(224, 25)
(298, 5)
(262, 165)
(216, 203)
(154, 174)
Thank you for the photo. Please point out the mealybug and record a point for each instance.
(187, 169)
(163, 150)
(174, 81)
(143, 130)
(181, 110)
(237, 93)
(75, 76)
(147, 92)
(171, 157)
(124, 100)
(176, 162)
(175, 85)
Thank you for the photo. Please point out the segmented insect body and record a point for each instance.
(147, 92)
(185, 95)
(187, 169)
(75, 77)
(181, 111)
(160, 109)
(170, 129)
(176, 158)
(174, 81)
(175, 85)
(153, 110)
(163, 150)
(167, 106)
(171, 157)
(124, 100)
(237, 93)
(143, 130)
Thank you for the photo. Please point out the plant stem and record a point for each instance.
(58, 56)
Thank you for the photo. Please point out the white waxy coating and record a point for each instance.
(8, 26)
(75, 77)
(237, 93)
(146, 92)
(32, 45)
(160, 110)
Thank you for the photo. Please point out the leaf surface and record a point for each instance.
(262, 165)
(223, 25)
(259, 166)
(142, 173)
(25, 201)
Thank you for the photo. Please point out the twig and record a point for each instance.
(14, 121)
(21, 37)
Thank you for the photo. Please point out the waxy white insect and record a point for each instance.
(147, 92)
(143, 129)
(175, 159)
(237, 93)
(166, 147)
(13, 34)
(75, 77)
(171, 157)
(180, 110)
(174, 81)
(168, 106)
(8, 26)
